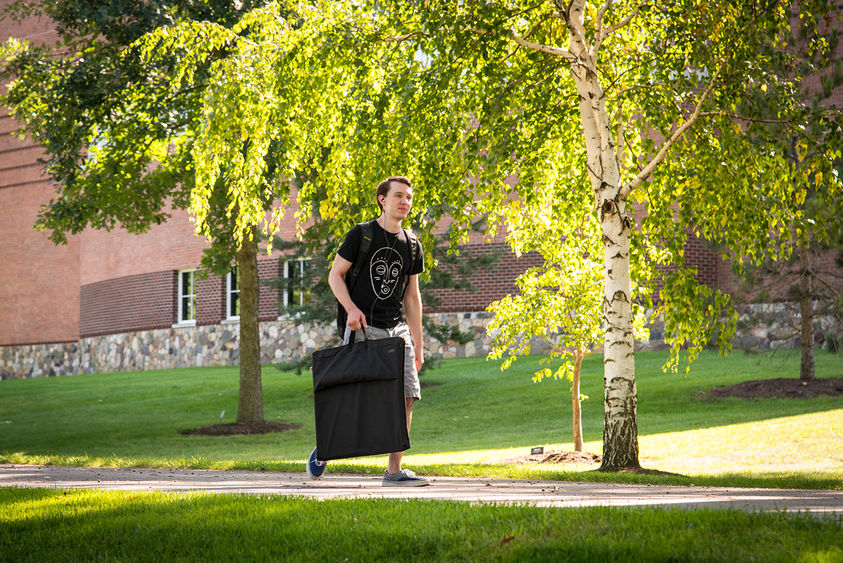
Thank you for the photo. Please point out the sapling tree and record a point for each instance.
(559, 304)
(808, 283)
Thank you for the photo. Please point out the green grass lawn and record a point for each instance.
(472, 418)
(51, 525)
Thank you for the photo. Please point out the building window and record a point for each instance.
(297, 290)
(232, 294)
(187, 297)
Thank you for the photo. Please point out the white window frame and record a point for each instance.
(299, 263)
(181, 320)
(234, 274)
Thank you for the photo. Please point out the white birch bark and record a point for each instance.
(620, 428)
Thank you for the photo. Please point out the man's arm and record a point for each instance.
(336, 279)
(413, 310)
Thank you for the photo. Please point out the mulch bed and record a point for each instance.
(782, 388)
(558, 457)
(571, 457)
(234, 428)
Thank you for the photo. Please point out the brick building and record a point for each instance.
(112, 300)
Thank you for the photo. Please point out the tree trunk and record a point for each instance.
(250, 404)
(575, 400)
(620, 423)
(620, 397)
(806, 292)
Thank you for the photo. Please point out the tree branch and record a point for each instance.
(598, 22)
(525, 10)
(400, 38)
(575, 25)
(648, 170)
(827, 285)
(742, 118)
(557, 51)
(603, 33)
(619, 142)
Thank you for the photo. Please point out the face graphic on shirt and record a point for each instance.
(386, 267)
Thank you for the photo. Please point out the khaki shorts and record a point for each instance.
(412, 388)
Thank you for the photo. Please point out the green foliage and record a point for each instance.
(336, 95)
(707, 319)
(718, 181)
(561, 302)
(114, 130)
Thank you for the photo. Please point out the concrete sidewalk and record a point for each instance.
(562, 494)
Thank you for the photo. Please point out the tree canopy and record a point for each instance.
(119, 139)
(634, 103)
(662, 108)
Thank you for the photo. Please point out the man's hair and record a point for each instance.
(383, 187)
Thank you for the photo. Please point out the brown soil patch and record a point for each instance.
(643, 471)
(571, 457)
(782, 388)
(558, 457)
(234, 428)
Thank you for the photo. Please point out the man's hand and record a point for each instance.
(419, 351)
(356, 319)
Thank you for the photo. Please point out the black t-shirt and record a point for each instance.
(379, 289)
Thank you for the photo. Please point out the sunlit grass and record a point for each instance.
(471, 421)
(780, 444)
(55, 525)
(810, 443)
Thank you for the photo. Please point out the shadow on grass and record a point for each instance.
(41, 525)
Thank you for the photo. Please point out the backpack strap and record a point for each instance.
(412, 242)
(366, 235)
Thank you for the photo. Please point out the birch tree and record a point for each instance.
(559, 304)
(663, 104)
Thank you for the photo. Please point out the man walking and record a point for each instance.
(387, 281)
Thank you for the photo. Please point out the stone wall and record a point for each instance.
(767, 326)
(761, 327)
(212, 345)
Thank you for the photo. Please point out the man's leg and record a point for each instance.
(394, 476)
(395, 457)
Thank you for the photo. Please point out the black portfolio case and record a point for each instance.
(358, 392)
